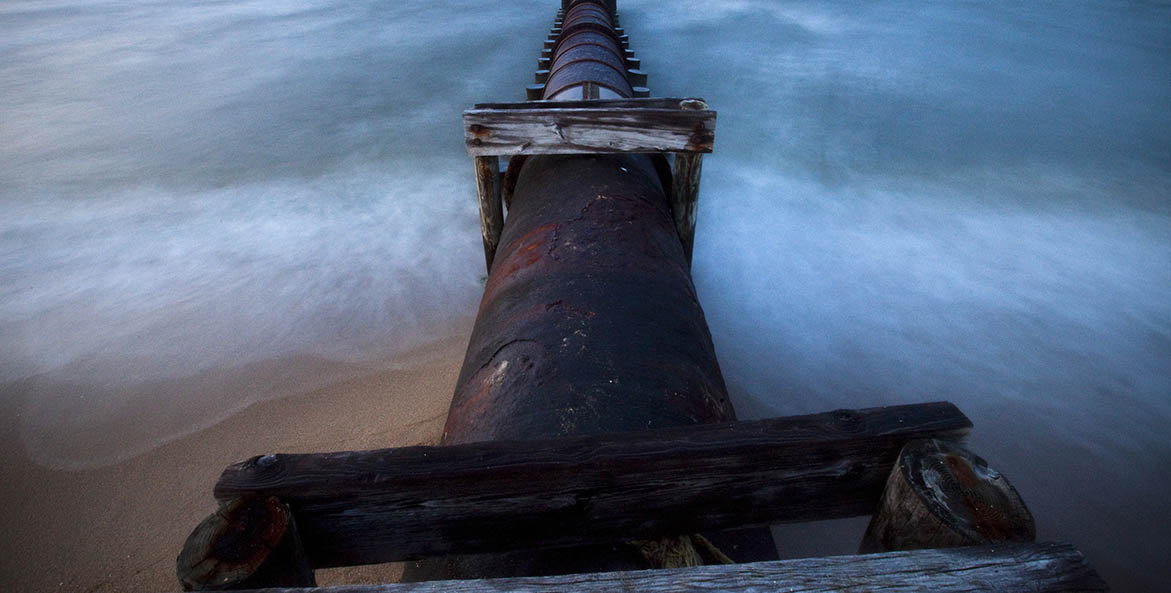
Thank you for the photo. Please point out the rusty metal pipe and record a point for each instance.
(587, 54)
(589, 321)
(589, 324)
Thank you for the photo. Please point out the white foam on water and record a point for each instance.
(189, 193)
(908, 202)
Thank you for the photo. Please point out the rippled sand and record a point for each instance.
(120, 527)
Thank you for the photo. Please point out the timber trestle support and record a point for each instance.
(684, 128)
(591, 415)
(399, 504)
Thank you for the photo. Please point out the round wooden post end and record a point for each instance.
(940, 495)
(248, 543)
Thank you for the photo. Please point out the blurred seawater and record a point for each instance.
(908, 201)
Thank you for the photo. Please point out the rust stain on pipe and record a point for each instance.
(589, 321)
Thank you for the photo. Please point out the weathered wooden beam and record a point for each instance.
(588, 130)
(1036, 568)
(399, 504)
(647, 103)
(491, 209)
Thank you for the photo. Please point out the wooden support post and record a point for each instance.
(250, 542)
(685, 196)
(940, 495)
(685, 186)
(491, 210)
(589, 91)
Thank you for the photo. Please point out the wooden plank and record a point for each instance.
(1036, 568)
(685, 197)
(398, 504)
(647, 103)
(491, 210)
(587, 130)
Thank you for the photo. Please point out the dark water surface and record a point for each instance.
(909, 201)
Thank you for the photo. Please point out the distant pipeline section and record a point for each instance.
(588, 58)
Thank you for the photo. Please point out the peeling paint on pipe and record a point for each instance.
(589, 321)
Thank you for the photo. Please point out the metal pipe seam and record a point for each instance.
(603, 75)
(593, 33)
(580, 38)
(588, 52)
(583, 53)
(600, 28)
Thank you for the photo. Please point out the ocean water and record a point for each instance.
(909, 201)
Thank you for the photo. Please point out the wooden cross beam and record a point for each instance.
(683, 127)
(363, 507)
(1037, 568)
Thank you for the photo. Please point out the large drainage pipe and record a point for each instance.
(589, 321)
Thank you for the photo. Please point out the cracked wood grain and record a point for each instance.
(588, 130)
(406, 503)
(1035, 568)
(491, 208)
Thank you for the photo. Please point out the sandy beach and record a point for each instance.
(120, 527)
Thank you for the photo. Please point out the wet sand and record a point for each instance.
(120, 527)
